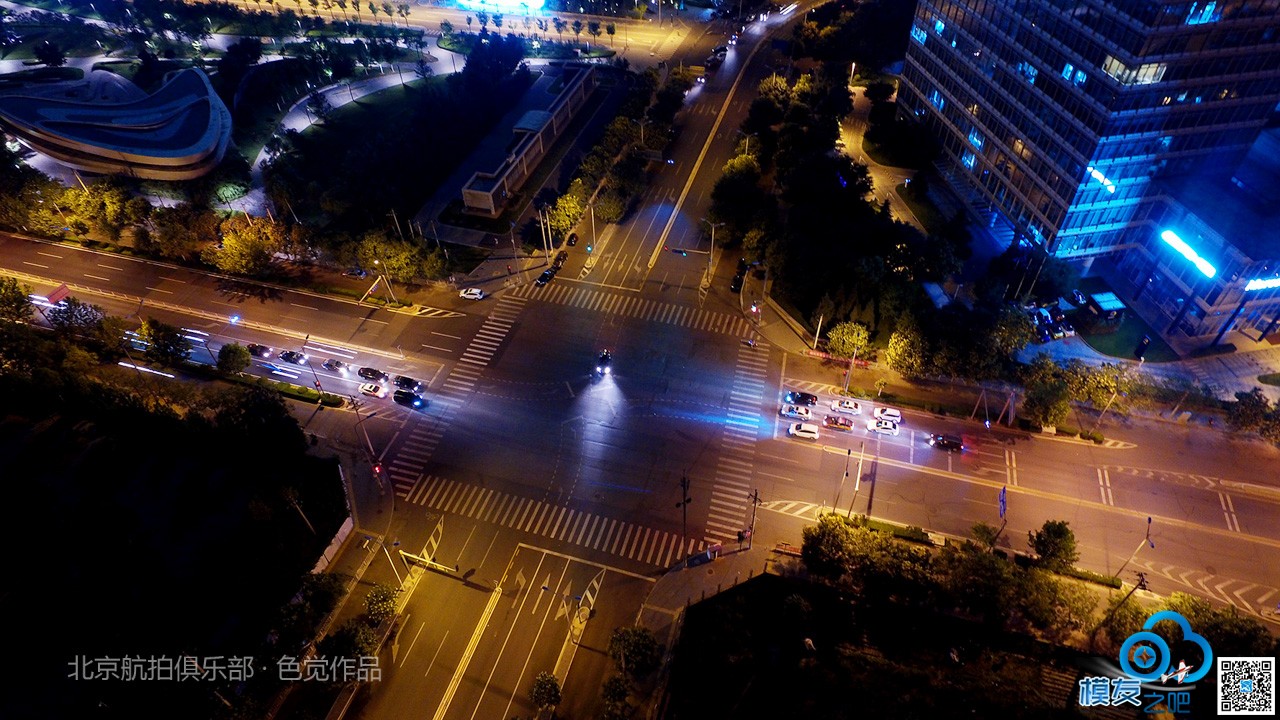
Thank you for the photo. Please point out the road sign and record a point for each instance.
(1004, 502)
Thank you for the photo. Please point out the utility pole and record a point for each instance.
(817, 332)
(835, 506)
(754, 497)
(857, 482)
(684, 509)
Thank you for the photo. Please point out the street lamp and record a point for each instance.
(1145, 541)
(712, 252)
(748, 136)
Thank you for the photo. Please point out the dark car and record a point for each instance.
(373, 374)
(409, 399)
(560, 258)
(795, 397)
(736, 284)
(335, 365)
(604, 363)
(950, 443)
(407, 383)
(257, 350)
(545, 277)
(293, 356)
(356, 272)
(573, 240)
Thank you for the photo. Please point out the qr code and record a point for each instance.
(1246, 686)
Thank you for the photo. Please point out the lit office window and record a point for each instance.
(1202, 13)
(1079, 78)
(975, 138)
(939, 26)
(1028, 71)
(1068, 70)
(968, 159)
(918, 34)
(936, 98)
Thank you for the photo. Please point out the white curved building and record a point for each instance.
(180, 132)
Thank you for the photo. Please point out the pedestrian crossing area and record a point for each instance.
(556, 522)
(637, 307)
(795, 508)
(729, 493)
(492, 332)
(411, 457)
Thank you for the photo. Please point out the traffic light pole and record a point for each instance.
(684, 510)
(755, 501)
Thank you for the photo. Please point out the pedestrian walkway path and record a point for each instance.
(637, 307)
(484, 345)
(734, 468)
(556, 522)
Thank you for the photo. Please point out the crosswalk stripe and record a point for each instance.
(584, 531)
(572, 525)
(730, 528)
(525, 506)
(481, 504)
(618, 541)
(638, 552)
(443, 489)
(632, 545)
(606, 529)
(554, 525)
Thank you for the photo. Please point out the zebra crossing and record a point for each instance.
(729, 494)
(556, 522)
(637, 307)
(493, 332)
(795, 508)
(406, 466)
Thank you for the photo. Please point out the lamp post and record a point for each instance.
(1145, 541)
(747, 150)
(592, 208)
(712, 252)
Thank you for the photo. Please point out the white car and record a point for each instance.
(887, 413)
(373, 389)
(883, 427)
(803, 431)
(796, 411)
(848, 407)
(471, 294)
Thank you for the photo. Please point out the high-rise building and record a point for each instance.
(1087, 126)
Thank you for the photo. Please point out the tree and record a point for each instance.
(1047, 402)
(15, 301)
(985, 534)
(1249, 412)
(248, 246)
(593, 29)
(166, 344)
(1011, 332)
(560, 25)
(446, 28)
(847, 339)
(613, 694)
(233, 358)
(545, 691)
(611, 30)
(354, 639)
(380, 604)
(577, 29)
(906, 352)
(1051, 606)
(827, 548)
(73, 317)
(49, 54)
(977, 581)
(1054, 545)
(635, 650)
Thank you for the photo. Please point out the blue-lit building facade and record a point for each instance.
(1099, 129)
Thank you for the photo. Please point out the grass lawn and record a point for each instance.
(924, 210)
(1121, 343)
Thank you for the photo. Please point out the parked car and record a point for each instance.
(373, 390)
(333, 365)
(1067, 328)
(837, 422)
(796, 397)
(803, 431)
(950, 443)
(373, 374)
(1056, 332)
(573, 240)
(471, 294)
(545, 277)
(356, 273)
(888, 413)
(883, 427)
(407, 383)
(795, 411)
(736, 284)
(847, 406)
(409, 399)
(560, 258)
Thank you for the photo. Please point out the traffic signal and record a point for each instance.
(377, 468)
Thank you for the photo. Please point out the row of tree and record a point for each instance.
(975, 580)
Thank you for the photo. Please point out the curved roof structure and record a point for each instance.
(179, 132)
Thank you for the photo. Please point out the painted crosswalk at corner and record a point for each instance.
(493, 332)
(732, 486)
(637, 307)
(557, 522)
